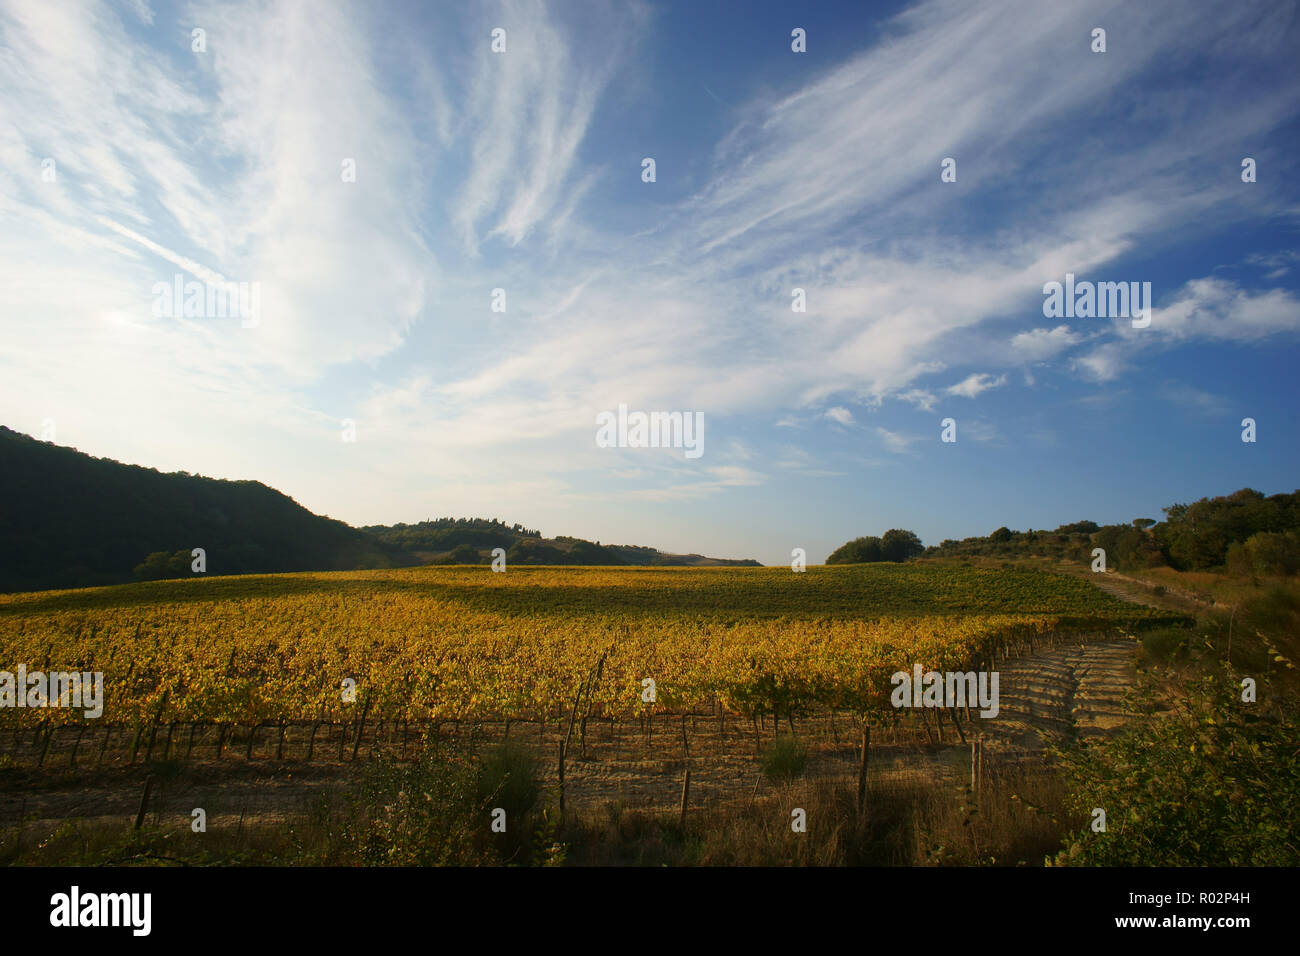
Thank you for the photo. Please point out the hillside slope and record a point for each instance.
(70, 520)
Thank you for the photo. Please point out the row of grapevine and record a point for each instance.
(469, 644)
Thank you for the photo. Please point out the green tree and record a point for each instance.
(858, 551)
(900, 545)
(1197, 536)
(163, 564)
(1078, 527)
(1127, 547)
(1266, 553)
(464, 554)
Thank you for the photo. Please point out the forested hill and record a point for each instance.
(70, 520)
(471, 540)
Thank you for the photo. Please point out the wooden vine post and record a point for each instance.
(561, 781)
(77, 745)
(587, 686)
(361, 727)
(564, 743)
(686, 795)
(862, 769)
(153, 730)
(144, 801)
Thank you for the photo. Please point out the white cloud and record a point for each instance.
(1189, 397)
(980, 430)
(722, 478)
(921, 398)
(739, 450)
(972, 385)
(1104, 363)
(1208, 309)
(538, 99)
(141, 10)
(376, 310)
(1216, 309)
(1038, 345)
(896, 441)
(1278, 263)
(226, 163)
(800, 462)
(198, 270)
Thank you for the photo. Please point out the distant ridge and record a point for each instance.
(471, 540)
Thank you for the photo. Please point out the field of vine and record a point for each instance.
(458, 644)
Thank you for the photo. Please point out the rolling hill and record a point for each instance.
(68, 520)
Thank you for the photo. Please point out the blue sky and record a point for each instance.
(775, 170)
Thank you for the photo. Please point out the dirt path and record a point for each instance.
(1137, 591)
(1064, 693)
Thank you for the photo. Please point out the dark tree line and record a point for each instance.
(564, 549)
(1245, 533)
(447, 534)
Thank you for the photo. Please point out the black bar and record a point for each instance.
(950, 907)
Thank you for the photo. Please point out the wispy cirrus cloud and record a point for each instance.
(477, 171)
(1190, 397)
(896, 441)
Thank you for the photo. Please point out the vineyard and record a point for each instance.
(532, 644)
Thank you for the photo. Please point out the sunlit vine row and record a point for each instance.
(452, 643)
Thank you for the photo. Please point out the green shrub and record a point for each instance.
(1265, 554)
(423, 813)
(785, 758)
(464, 554)
(163, 564)
(1214, 783)
(507, 778)
(1163, 643)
